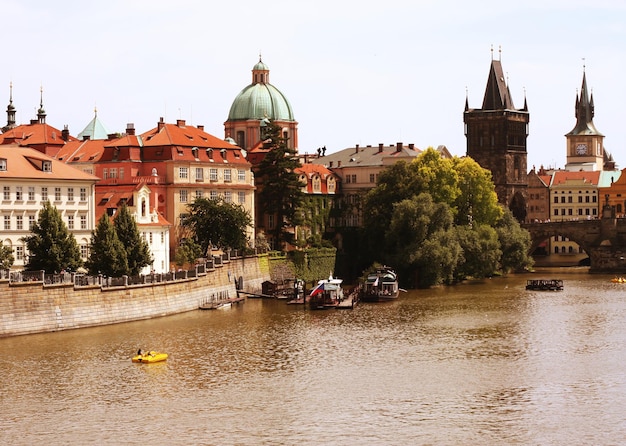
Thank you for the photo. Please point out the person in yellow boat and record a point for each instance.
(139, 352)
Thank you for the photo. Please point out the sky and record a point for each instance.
(355, 72)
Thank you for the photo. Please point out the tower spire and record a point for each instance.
(41, 113)
(10, 110)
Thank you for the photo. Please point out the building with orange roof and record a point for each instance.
(29, 178)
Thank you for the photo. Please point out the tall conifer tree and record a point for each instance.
(137, 249)
(107, 254)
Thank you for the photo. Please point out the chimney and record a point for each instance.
(339, 163)
(412, 146)
(306, 158)
(330, 164)
(180, 123)
(398, 147)
(160, 124)
(357, 148)
(380, 148)
(65, 133)
(201, 127)
(130, 129)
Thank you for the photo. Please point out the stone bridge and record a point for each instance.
(604, 240)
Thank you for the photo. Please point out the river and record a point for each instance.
(480, 363)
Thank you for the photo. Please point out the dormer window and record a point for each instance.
(47, 166)
(3, 164)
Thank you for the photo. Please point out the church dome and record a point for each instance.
(260, 99)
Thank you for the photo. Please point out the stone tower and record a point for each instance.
(496, 137)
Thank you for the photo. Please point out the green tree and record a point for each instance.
(107, 254)
(515, 243)
(6, 257)
(477, 201)
(138, 252)
(218, 223)
(481, 251)
(187, 252)
(280, 190)
(51, 246)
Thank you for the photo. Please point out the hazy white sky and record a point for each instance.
(356, 72)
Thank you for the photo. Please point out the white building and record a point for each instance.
(28, 179)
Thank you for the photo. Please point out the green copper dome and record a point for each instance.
(260, 99)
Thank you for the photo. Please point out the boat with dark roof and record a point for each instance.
(380, 285)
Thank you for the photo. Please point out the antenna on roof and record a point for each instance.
(499, 52)
(492, 51)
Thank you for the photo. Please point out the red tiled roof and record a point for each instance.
(562, 176)
(22, 162)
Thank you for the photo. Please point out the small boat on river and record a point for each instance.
(544, 284)
(380, 285)
(327, 294)
(149, 357)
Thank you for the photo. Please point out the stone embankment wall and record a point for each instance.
(32, 307)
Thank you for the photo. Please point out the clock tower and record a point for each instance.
(585, 144)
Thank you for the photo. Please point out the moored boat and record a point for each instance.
(149, 357)
(380, 285)
(327, 294)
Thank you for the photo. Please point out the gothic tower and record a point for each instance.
(496, 139)
(585, 144)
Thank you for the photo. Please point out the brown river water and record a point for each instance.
(485, 363)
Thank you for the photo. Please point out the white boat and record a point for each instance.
(380, 285)
(327, 294)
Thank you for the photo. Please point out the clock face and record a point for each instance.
(581, 149)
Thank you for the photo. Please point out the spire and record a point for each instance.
(584, 111)
(41, 113)
(10, 111)
(497, 94)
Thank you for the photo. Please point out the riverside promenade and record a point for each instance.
(35, 302)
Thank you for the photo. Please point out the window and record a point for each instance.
(83, 194)
(47, 166)
(44, 194)
(3, 164)
(70, 222)
(19, 222)
(105, 173)
(199, 174)
(562, 199)
(372, 178)
(213, 174)
(183, 173)
(7, 192)
(70, 194)
(162, 237)
(569, 199)
(31, 193)
(228, 196)
(556, 199)
(7, 222)
(227, 175)
(241, 175)
(241, 197)
(84, 251)
(83, 222)
(213, 195)
(57, 194)
(113, 173)
(587, 199)
(121, 173)
(183, 196)
(18, 193)
(19, 253)
(270, 221)
(199, 194)
(556, 212)
(150, 237)
(31, 222)
(317, 184)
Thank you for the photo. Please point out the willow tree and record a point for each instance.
(51, 246)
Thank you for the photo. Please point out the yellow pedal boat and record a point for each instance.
(150, 357)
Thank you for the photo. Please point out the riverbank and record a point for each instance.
(35, 307)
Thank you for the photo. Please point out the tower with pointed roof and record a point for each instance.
(585, 144)
(10, 111)
(496, 136)
(254, 105)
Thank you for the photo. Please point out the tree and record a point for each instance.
(51, 246)
(187, 252)
(218, 223)
(477, 201)
(137, 250)
(107, 254)
(280, 191)
(6, 257)
(481, 251)
(515, 243)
